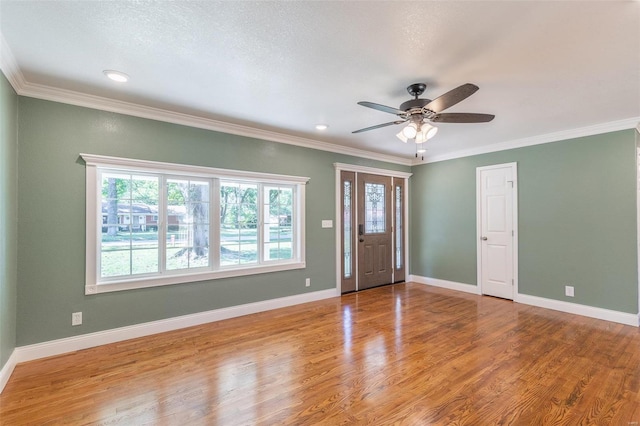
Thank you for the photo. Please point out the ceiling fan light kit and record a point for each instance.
(410, 131)
(421, 112)
(426, 131)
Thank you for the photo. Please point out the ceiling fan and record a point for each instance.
(419, 112)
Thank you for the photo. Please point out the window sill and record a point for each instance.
(156, 281)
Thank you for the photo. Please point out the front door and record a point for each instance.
(496, 189)
(375, 245)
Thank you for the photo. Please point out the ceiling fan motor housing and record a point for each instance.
(414, 108)
(414, 103)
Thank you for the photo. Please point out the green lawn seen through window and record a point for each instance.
(137, 252)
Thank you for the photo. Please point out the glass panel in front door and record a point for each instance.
(374, 209)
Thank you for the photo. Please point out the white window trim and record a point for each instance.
(93, 228)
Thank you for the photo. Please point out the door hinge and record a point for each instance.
(512, 233)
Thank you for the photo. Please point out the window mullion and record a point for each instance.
(260, 233)
(214, 225)
(162, 221)
(294, 222)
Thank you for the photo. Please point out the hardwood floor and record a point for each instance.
(406, 354)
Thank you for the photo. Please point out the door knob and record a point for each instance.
(484, 238)
(362, 240)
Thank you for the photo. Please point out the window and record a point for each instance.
(238, 223)
(123, 249)
(277, 235)
(152, 223)
(187, 225)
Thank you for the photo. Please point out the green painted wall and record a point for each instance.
(8, 218)
(51, 243)
(577, 219)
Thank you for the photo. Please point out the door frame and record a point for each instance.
(637, 153)
(514, 170)
(339, 167)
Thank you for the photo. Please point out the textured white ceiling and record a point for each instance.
(542, 67)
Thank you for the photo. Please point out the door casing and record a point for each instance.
(339, 167)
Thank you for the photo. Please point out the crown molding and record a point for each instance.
(128, 108)
(612, 126)
(9, 66)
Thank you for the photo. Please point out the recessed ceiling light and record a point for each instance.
(321, 127)
(118, 76)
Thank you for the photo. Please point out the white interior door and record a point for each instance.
(497, 186)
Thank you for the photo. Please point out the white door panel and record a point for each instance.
(496, 215)
(496, 188)
(496, 259)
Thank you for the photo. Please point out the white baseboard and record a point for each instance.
(7, 369)
(85, 341)
(577, 309)
(541, 302)
(451, 285)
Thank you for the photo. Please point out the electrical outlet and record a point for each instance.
(307, 282)
(568, 290)
(76, 318)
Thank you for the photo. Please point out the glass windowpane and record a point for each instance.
(144, 261)
(399, 228)
(130, 218)
(115, 263)
(129, 241)
(188, 224)
(277, 220)
(374, 209)
(347, 229)
(238, 223)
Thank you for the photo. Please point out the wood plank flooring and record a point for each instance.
(404, 354)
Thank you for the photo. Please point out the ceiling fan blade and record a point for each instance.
(451, 98)
(382, 108)
(379, 126)
(462, 117)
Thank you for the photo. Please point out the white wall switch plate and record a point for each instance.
(327, 223)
